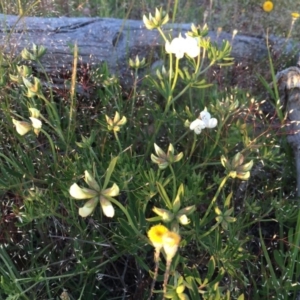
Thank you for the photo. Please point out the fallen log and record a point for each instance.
(113, 41)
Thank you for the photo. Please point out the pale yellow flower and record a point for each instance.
(95, 194)
(156, 21)
(114, 124)
(166, 215)
(163, 159)
(22, 127)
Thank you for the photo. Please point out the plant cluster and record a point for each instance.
(193, 172)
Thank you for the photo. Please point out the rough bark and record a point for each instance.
(112, 41)
(288, 82)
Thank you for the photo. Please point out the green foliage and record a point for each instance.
(218, 186)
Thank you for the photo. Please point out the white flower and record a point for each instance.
(191, 45)
(204, 121)
(180, 46)
(197, 126)
(208, 121)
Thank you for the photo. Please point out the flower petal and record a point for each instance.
(22, 127)
(88, 207)
(122, 121)
(35, 113)
(91, 182)
(107, 207)
(197, 126)
(160, 153)
(116, 118)
(81, 193)
(155, 234)
(197, 123)
(212, 123)
(205, 117)
(111, 192)
(36, 123)
(168, 47)
(109, 121)
(191, 46)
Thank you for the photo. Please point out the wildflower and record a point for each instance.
(64, 295)
(183, 219)
(137, 64)
(268, 6)
(295, 15)
(115, 124)
(171, 242)
(180, 46)
(36, 53)
(197, 31)
(224, 218)
(24, 127)
(236, 169)
(95, 194)
(36, 124)
(155, 234)
(164, 159)
(165, 215)
(156, 21)
(203, 121)
(182, 214)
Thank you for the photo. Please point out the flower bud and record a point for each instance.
(166, 215)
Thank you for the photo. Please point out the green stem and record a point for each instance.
(174, 11)
(193, 146)
(166, 276)
(117, 138)
(170, 69)
(174, 181)
(187, 132)
(52, 147)
(214, 199)
(162, 34)
(212, 149)
(134, 91)
(180, 94)
(57, 130)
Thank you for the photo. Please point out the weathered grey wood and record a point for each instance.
(288, 82)
(111, 40)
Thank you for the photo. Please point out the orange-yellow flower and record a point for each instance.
(171, 242)
(268, 6)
